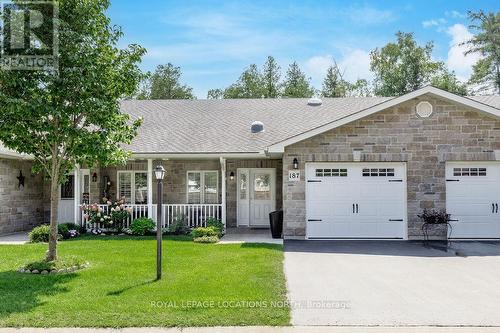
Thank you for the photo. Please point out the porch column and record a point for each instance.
(76, 195)
(223, 172)
(150, 188)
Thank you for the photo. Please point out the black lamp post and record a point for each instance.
(159, 174)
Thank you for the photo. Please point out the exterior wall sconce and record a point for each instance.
(295, 163)
(231, 175)
(94, 177)
(20, 178)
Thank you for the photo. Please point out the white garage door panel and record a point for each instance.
(471, 199)
(356, 205)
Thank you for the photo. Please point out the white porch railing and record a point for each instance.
(194, 215)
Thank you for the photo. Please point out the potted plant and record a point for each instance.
(435, 222)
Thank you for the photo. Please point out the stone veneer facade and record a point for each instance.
(20, 209)
(451, 133)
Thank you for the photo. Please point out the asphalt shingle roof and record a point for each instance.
(223, 126)
(214, 126)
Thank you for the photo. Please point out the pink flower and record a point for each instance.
(108, 203)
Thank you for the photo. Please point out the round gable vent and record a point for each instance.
(314, 101)
(257, 127)
(424, 109)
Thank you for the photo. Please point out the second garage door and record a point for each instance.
(356, 200)
(473, 199)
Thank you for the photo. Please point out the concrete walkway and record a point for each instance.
(247, 235)
(18, 238)
(254, 329)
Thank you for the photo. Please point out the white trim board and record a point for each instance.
(279, 147)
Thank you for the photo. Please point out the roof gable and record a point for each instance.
(480, 103)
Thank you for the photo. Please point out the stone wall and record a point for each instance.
(452, 133)
(20, 208)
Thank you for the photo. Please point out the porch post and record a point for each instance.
(76, 195)
(223, 172)
(150, 188)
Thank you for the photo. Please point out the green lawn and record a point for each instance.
(203, 285)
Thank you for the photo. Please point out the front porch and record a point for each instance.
(194, 190)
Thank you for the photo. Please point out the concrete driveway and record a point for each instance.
(392, 283)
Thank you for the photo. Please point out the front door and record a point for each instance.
(256, 196)
(66, 212)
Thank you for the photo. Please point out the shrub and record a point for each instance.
(206, 239)
(179, 227)
(217, 224)
(142, 226)
(40, 234)
(208, 231)
(61, 263)
(69, 230)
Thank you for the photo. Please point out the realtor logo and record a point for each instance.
(29, 35)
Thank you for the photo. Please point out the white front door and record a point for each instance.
(256, 196)
(356, 200)
(66, 212)
(473, 199)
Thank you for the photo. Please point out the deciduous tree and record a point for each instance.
(72, 116)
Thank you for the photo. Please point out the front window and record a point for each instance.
(133, 186)
(202, 187)
(68, 189)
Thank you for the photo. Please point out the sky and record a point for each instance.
(214, 41)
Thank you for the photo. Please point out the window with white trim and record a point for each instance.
(459, 172)
(133, 186)
(378, 172)
(331, 172)
(202, 187)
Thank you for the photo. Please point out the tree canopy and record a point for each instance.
(486, 72)
(403, 66)
(71, 116)
(164, 83)
(296, 83)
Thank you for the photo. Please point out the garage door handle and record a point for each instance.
(396, 220)
(313, 220)
(456, 220)
(357, 209)
(452, 180)
(314, 181)
(493, 208)
(395, 181)
(496, 205)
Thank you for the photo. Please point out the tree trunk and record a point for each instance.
(54, 209)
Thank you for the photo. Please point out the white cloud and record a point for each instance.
(455, 14)
(354, 63)
(457, 61)
(433, 23)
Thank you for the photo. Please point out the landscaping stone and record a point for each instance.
(35, 271)
(44, 272)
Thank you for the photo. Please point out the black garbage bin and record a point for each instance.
(276, 221)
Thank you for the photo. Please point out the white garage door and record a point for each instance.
(356, 200)
(473, 199)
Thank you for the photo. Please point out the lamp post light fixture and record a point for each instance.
(295, 163)
(159, 174)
